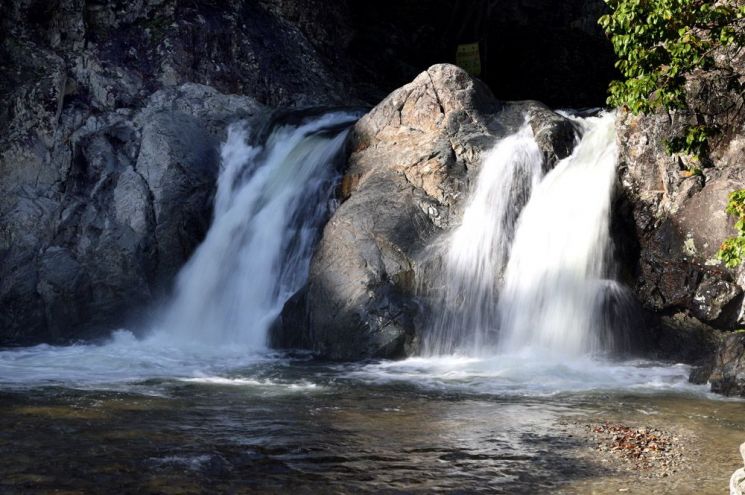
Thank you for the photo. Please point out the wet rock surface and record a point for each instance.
(728, 371)
(676, 205)
(412, 159)
(682, 338)
(680, 223)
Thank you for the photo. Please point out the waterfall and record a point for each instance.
(529, 266)
(271, 202)
(476, 251)
(556, 284)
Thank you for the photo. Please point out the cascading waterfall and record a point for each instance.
(546, 240)
(271, 201)
(476, 251)
(556, 284)
(270, 204)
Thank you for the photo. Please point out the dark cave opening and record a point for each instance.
(528, 49)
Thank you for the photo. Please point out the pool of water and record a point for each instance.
(117, 419)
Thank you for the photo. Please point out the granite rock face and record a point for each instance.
(112, 116)
(675, 213)
(680, 222)
(412, 158)
(99, 223)
(116, 53)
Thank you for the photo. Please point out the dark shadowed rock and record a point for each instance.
(178, 162)
(682, 339)
(556, 136)
(713, 297)
(728, 375)
(679, 223)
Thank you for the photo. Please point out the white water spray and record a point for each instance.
(271, 202)
(556, 283)
(537, 282)
(541, 330)
(477, 250)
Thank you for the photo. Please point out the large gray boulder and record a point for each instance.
(411, 160)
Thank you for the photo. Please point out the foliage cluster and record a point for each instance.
(732, 250)
(660, 42)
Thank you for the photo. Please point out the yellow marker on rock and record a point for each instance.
(467, 57)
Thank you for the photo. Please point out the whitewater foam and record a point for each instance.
(271, 201)
(270, 205)
(530, 374)
(557, 281)
(465, 287)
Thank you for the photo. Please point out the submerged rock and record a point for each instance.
(412, 158)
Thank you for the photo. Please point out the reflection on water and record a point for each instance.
(295, 425)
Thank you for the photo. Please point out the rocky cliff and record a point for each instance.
(675, 204)
(113, 111)
(112, 116)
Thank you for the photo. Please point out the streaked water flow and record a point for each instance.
(556, 283)
(529, 270)
(271, 202)
(466, 285)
